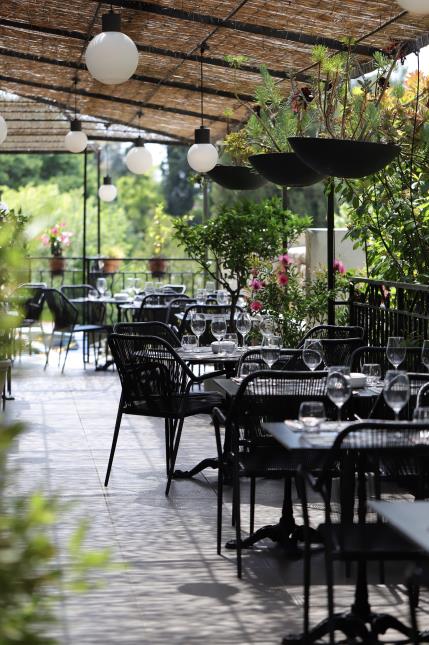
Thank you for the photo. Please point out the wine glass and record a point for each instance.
(395, 350)
(243, 325)
(247, 368)
(218, 328)
(396, 390)
(102, 286)
(198, 325)
(270, 350)
(311, 414)
(201, 296)
(338, 386)
(266, 326)
(372, 372)
(425, 354)
(312, 353)
(221, 297)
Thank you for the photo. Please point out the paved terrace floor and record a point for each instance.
(175, 589)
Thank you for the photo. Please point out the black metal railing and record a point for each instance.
(77, 271)
(386, 309)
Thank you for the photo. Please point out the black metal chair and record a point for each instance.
(338, 351)
(66, 322)
(423, 396)
(156, 382)
(349, 532)
(381, 410)
(27, 301)
(210, 311)
(176, 288)
(333, 331)
(369, 354)
(158, 329)
(263, 396)
(145, 313)
(176, 306)
(290, 359)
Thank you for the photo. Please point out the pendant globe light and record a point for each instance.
(202, 156)
(415, 6)
(107, 191)
(75, 140)
(138, 159)
(111, 57)
(3, 129)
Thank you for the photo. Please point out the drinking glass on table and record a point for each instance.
(210, 287)
(395, 350)
(266, 326)
(372, 372)
(198, 325)
(189, 342)
(312, 353)
(247, 368)
(270, 350)
(421, 413)
(101, 286)
(243, 325)
(425, 354)
(338, 386)
(230, 343)
(221, 297)
(396, 390)
(311, 414)
(201, 296)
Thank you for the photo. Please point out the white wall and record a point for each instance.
(316, 252)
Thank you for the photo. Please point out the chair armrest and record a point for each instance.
(218, 416)
(204, 377)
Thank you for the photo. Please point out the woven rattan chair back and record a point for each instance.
(338, 351)
(362, 355)
(176, 306)
(29, 299)
(64, 313)
(290, 359)
(210, 311)
(158, 329)
(333, 331)
(90, 312)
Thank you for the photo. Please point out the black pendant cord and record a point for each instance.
(202, 86)
(413, 141)
(75, 96)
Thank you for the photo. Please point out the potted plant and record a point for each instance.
(351, 143)
(159, 232)
(57, 238)
(112, 259)
(273, 119)
(227, 255)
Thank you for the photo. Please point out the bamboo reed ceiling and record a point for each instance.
(42, 48)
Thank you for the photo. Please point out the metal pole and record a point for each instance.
(85, 195)
(330, 252)
(98, 157)
(285, 204)
(206, 215)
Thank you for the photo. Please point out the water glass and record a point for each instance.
(201, 296)
(425, 354)
(338, 386)
(243, 325)
(247, 368)
(266, 326)
(102, 286)
(218, 327)
(198, 325)
(395, 350)
(421, 413)
(149, 288)
(372, 372)
(311, 414)
(230, 343)
(222, 297)
(189, 342)
(312, 353)
(210, 287)
(396, 390)
(270, 350)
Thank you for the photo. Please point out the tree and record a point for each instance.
(178, 191)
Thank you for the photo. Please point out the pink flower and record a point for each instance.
(45, 240)
(54, 230)
(254, 272)
(256, 284)
(256, 306)
(282, 279)
(339, 266)
(285, 259)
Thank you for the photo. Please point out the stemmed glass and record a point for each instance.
(198, 325)
(395, 350)
(396, 390)
(425, 354)
(222, 297)
(312, 353)
(102, 286)
(218, 328)
(338, 386)
(243, 325)
(270, 350)
(266, 327)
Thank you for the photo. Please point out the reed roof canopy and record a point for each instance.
(42, 46)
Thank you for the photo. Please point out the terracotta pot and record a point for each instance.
(344, 157)
(111, 265)
(57, 265)
(157, 266)
(284, 169)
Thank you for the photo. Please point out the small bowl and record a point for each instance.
(215, 347)
(357, 379)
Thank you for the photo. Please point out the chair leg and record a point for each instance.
(178, 434)
(61, 349)
(67, 352)
(114, 442)
(236, 498)
(330, 592)
(252, 503)
(167, 425)
(51, 340)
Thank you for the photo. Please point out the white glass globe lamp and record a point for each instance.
(202, 156)
(415, 6)
(138, 159)
(107, 191)
(75, 140)
(111, 57)
(3, 129)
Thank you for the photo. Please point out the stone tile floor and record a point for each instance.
(174, 589)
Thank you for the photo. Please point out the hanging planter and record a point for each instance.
(236, 177)
(57, 265)
(285, 169)
(344, 158)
